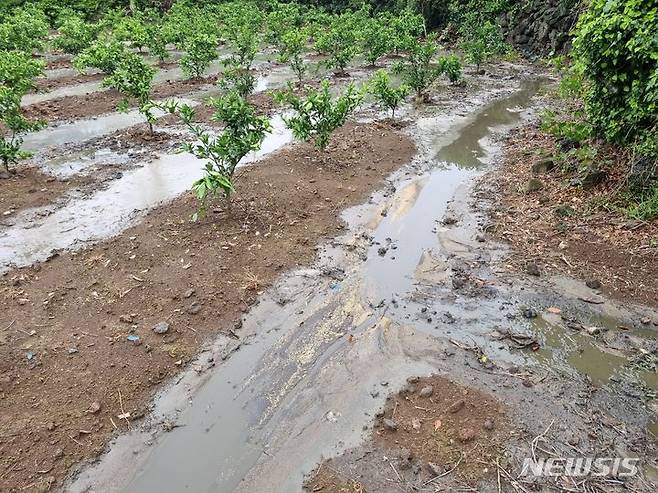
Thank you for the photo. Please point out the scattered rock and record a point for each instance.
(94, 408)
(456, 406)
(449, 219)
(593, 284)
(405, 457)
(127, 319)
(466, 435)
(59, 453)
(193, 309)
(389, 424)
(488, 425)
(532, 269)
(543, 166)
(188, 293)
(645, 321)
(426, 391)
(593, 330)
(382, 251)
(533, 185)
(480, 238)
(161, 328)
(530, 313)
(415, 423)
(434, 469)
(413, 379)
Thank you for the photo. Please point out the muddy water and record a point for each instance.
(298, 388)
(162, 75)
(108, 212)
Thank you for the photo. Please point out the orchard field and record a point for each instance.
(271, 246)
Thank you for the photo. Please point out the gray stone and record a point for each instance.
(426, 391)
(543, 166)
(389, 424)
(161, 328)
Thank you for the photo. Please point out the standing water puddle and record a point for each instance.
(277, 378)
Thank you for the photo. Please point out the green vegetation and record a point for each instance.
(340, 41)
(318, 114)
(481, 41)
(386, 94)
(420, 70)
(133, 78)
(243, 132)
(292, 47)
(200, 52)
(75, 34)
(17, 73)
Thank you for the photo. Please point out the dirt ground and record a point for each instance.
(50, 84)
(29, 187)
(562, 228)
(98, 103)
(80, 357)
(432, 427)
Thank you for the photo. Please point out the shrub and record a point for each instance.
(292, 46)
(75, 35)
(200, 51)
(388, 96)
(340, 41)
(133, 78)
(451, 67)
(243, 132)
(104, 55)
(25, 29)
(319, 114)
(617, 48)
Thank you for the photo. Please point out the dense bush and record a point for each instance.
(617, 48)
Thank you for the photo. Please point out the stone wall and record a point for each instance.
(542, 27)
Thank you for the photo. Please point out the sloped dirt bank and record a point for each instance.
(561, 226)
(69, 361)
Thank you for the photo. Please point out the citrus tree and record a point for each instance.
(24, 29)
(75, 34)
(318, 114)
(292, 47)
(17, 73)
(420, 70)
(133, 78)
(386, 94)
(243, 132)
(200, 52)
(104, 54)
(340, 41)
(376, 40)
(481, 40)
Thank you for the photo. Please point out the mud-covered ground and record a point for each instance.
(349, 324)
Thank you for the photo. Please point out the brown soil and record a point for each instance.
(454, 436)
(98, 103)
(29, 187)
(565, 228)
(327, 480)
(71, 80)
(61, 63)
(456, 428)
(67, 369)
